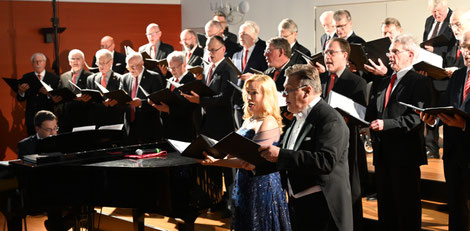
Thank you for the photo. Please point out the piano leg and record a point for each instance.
(138, 218)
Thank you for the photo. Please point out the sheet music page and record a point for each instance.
(117, 127)
(180, 146)
(177, 85)
(84, 128)
(102, 89)
(337, 100)
(45, 85)
(429, 57)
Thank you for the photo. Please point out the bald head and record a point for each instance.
(188, 39)
(107, 42)
(213, 28)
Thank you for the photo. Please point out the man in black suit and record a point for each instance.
(142, 121)
(278, 53)
(105, 112)
(227, 35)
(453, 58)
(119, 59)
(456, 145)
(177, 118)
(214, 28)
(252, 56)
(35, 94)
(193, 52)
(438, 24)
(74, 113)
(287, 29)
(398, 138)
(343, 24)
(326, 19)
(340, 79)
(313, 157)
(45, 124)
(156, 49)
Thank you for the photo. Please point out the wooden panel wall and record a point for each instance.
(86, 24)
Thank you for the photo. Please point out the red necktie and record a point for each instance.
(209, 76)
(74, 77)
(39, 76)
(133, 95)
(436, 29)
(332, 82)
(103, 80)
(458, 52)
(389, 89)
(173, 86)
(276, 74)
(245, 58)
(466, 88)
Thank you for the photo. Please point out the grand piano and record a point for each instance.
(97, 173)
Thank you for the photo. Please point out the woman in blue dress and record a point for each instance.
(259, 201)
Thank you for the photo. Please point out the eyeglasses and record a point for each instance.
(132, 67)
(173, 68)
(268, 51)
(102, 64)
(341, 26)
(152, 34)
(456, 25)
(214, 50)
(50, 129)
(465, 48)
(286, 92)
(331, 52)
(395, 52)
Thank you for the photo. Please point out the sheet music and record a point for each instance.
(102, 89)
(180, 146)
(336, 100)
(117, 127)
(175, 84)
(84, 128)
(45, 85)
(429, 57)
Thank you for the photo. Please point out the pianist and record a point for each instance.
(45, 124)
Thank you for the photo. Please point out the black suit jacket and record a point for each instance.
(196, 57)
(354, 38)
(178, 124)
(163, 51)
(281, 77)
(230, 36)
(456, 141)
(231, 48)
(445, 29)
(147, 125)
(450, 58)
(320, 157)
(36, 101)
(27, 146)
(218, 118)
(402, 140)
(296, 57)
(119, 63)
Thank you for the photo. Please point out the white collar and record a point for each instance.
(302, 115)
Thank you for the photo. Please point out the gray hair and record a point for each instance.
(251, 25)
(326, 14)
(305, 75)
(212, 23)
(38, 54)
(177, 55)
(76, 51)
(134, 55)
(152, 25)
(408, 43)
(434, 3)
(104, 52)
(288, 24)
(339, 14)
(254, 24)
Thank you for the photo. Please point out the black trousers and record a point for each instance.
(398, 195)
(457, 176)
(311, 212)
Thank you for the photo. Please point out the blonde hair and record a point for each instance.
(270, 98)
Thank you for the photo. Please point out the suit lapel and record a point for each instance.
(285, 138)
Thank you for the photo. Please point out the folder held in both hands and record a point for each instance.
(65, 93)
(195, 69)
(96, 95)
(119, 95)
(198, 87)
(164, 95)
(448, 110)
(431, 70)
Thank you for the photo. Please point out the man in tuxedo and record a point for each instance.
(438, 24)
(177, 118)
(287, 29)
(278, 53)
(31, 90)
(105, 112)
(45, 125)
(252, 56)
(313, 157)
(193, 53)
(398, 138)
(340, 79)
(155, 48)
(222, 18)
(326, 20)
(214, 28)
(119, 59)
(142, 121)
(343, 24)
(456, 145)
(74, 113)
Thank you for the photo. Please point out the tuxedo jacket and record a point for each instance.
(320, 157)
(401, 143)
(119, 62)
(73, 113)
(178, 124)
(196, 57)
(27, 146)
(445, 29)
(147, 124)
(296, 57)
(456, 141)
(217, 121)
(36, 101)
(281, 77)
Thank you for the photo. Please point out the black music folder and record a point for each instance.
(164, 95)
(65, 93)
(201, 39)
(448, 110)
(437, 41)
(13, 83)
(119, 95)
(198, 87)
(195, 69)
(150, 63)
(432, 71)
(200, 144)
(375, 49)
(348, 108)
(230, 62)
(316, 58)
(256, 72)
(96, 95)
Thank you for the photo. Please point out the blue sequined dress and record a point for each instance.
(259, 201)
